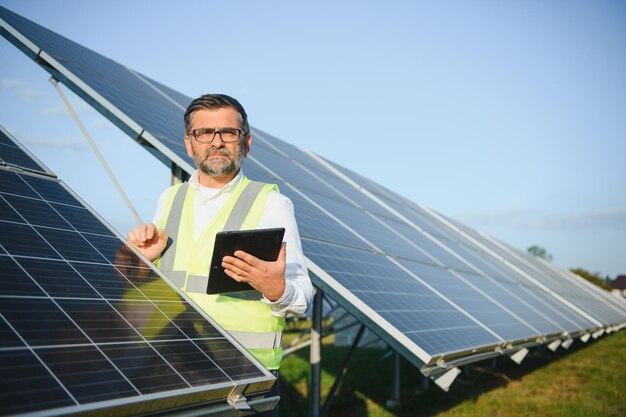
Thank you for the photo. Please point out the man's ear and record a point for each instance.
(247, 143)
(187, 141)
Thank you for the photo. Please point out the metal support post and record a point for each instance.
(466, 372)
(178, 175)
(494, 362)
(342, 371)
(316, 356)
(423, 383)
(394, 402)
(93, 145)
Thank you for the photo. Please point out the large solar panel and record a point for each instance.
(86, 325)
(434, 292)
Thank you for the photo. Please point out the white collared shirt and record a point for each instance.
(278, 212)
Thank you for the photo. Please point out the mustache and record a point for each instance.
(220, 151)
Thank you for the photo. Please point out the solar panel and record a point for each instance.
(13, 154)
(478, 254)
(86, 325)
(430, 290)
(600, 306)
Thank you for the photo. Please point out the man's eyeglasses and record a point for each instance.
(207, 134)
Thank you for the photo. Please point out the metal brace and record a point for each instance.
(237, 400)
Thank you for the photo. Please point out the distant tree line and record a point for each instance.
(593, 278)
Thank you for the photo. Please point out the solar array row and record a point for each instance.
(428, 286)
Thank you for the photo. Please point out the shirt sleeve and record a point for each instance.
(279, 212)
(160, 207)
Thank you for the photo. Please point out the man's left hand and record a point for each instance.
(266, 277)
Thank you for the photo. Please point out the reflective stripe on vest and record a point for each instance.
(242, 314)
(198, 283)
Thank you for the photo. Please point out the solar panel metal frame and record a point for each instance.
(209, 399)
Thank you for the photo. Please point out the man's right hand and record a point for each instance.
(149, 240)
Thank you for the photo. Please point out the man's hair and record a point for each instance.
(214, 102)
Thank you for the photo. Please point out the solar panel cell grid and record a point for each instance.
(11, 154)
(26, 385)
(83, 320)
(513, 299)
(572, 294)
(479, 305)
(432, 323)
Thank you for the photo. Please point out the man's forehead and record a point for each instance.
(221, 116)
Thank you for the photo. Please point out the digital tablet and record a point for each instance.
(263, 243)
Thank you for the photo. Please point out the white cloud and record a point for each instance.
(83, 110)
(605, 219)
(57, 142)
(527, 219)
(522, 218)
(21, 89)
(58, 110)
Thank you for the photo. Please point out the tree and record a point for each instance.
(540, 252)
(593, 278)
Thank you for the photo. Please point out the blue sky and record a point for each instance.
(505, 115)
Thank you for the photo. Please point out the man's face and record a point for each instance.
(218, 158)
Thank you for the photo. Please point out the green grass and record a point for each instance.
(587, 380)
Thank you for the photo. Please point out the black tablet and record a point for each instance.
(263, 243)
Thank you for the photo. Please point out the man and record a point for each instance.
(217, 137)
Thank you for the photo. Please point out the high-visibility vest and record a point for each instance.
(186, 262)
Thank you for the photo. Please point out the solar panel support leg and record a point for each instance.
(178, 175)
(494, 362)
(425, 385)
(342, 371)
(394, 402)
(316, 356)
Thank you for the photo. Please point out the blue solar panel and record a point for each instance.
(432, 323)
(592, 311)
(489, 265)
(84, 321)
(489, 311)
(12, 154)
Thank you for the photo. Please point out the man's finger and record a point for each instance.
(161, 234)
(282, 255)
(150, 229)
(240, 264)
(246, 257)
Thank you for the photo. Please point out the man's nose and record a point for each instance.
(217, 141)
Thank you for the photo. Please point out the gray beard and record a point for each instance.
(218, 167)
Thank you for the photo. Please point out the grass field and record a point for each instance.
(587, 380)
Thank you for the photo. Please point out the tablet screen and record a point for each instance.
(262, 243)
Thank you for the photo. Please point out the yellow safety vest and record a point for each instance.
(186, 262)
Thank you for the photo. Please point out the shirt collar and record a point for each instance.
(195, 183)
